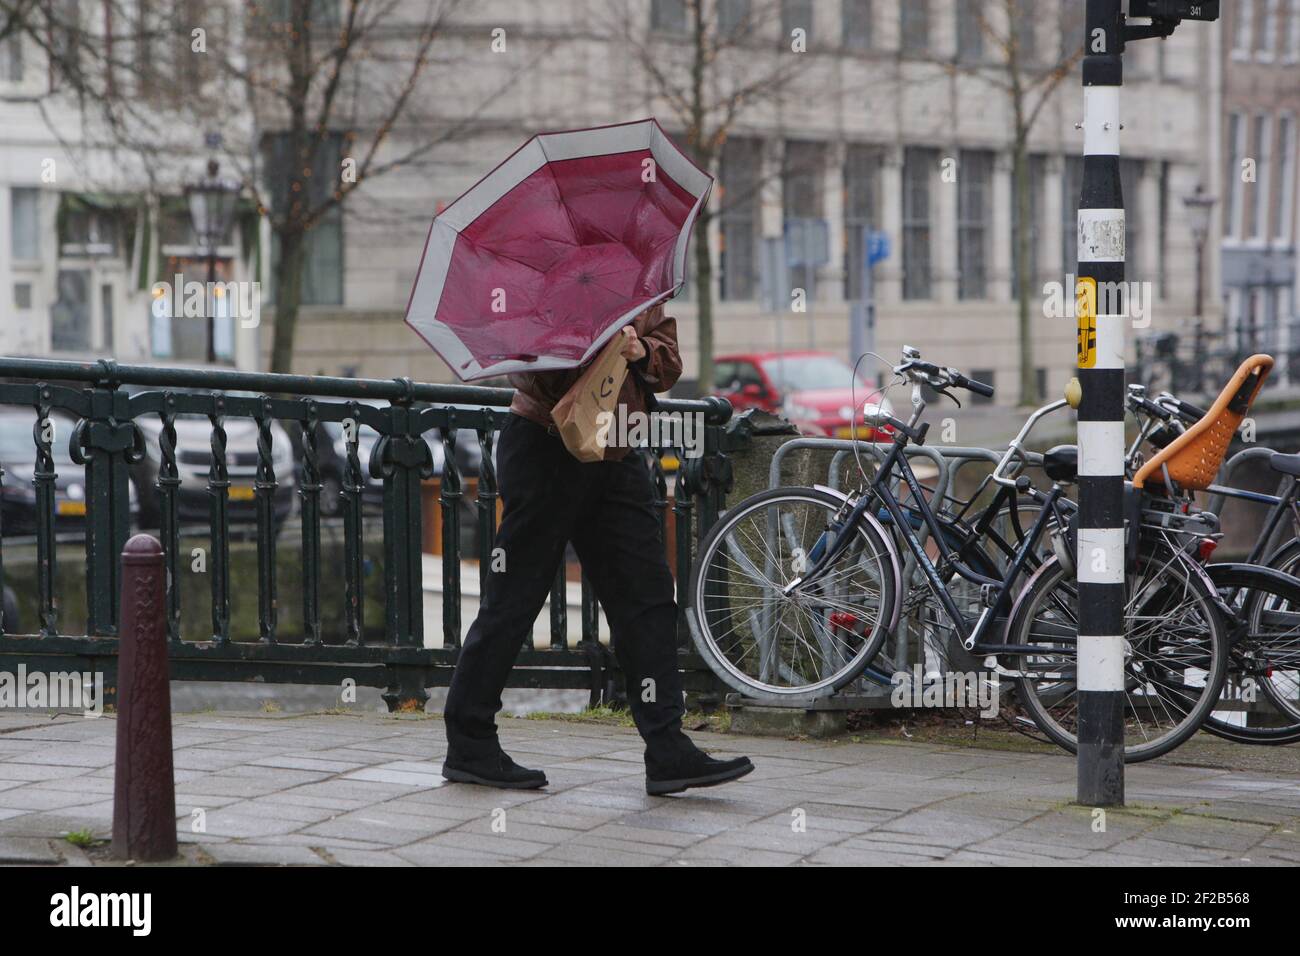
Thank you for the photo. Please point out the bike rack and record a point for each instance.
(948, 461)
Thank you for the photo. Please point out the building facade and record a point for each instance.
(885, 116)
(1259, 183)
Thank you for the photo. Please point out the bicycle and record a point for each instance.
(829, 590)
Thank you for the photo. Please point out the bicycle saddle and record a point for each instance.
(1285, 464)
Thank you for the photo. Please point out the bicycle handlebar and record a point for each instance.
(938, 376)
(1185, 410)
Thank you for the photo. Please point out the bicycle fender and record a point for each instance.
(1014, 613)
(893, 552)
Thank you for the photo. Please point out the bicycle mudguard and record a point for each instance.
(1222, 570)
(893, 552)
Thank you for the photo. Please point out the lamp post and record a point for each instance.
(1199, 209)
(212, 209)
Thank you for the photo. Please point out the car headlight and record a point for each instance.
(76, 492)
(797, 412)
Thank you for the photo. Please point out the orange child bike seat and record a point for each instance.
(1193, 458)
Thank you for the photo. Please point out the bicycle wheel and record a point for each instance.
(1176, 653)
(1264, 634)
(770, 644)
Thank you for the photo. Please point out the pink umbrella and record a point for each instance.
(551, 253)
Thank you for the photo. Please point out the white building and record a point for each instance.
(888, 95)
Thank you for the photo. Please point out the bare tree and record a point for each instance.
(323, 97)
(1009, 60)
(710, 62)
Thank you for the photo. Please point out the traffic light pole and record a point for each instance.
(1102, 311)
(1101, 351)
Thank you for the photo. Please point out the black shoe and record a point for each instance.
(495, 771)
(693, 768)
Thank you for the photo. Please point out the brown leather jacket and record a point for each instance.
(537, 392)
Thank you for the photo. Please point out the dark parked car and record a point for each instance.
(194, 457)
(18, 458)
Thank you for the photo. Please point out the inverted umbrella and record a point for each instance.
(551, 253)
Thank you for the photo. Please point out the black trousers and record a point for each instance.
(607, 510)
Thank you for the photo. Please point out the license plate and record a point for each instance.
(864, 431)
(72, 508)
(241, 493)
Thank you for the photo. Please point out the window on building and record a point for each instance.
(1268, 30)
(739, 176)
(974, 186)
(106, 316)
(668, 16)
(1071, 188)
(796, 15)
(1035, 174)
(322, 282)
(1162, 236)
(1071, 24)
(24, 224)
(321, 12)
(855, 24)
(1244, 33)
(918, 173)
(11, 58)
(1024, 17)
(914, 22)
(802, 206)
(64, 48)
(1293, 32)
(1130, 183)
(733, 17)
(1263, 159)
(861, 187)
(970, 33)
(1286, 143)
(1234, 213)
(70, 314)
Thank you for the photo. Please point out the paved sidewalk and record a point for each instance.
(365, 789)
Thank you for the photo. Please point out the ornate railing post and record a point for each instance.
(354, 559)
(449, 495)
(219, 523)
(403, 459)
(169, 480)
(103, 443)
(43, 479)
(310, 494)
(264, 487)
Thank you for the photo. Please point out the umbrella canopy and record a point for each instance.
(551, 253)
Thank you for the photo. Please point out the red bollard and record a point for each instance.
(144, 786)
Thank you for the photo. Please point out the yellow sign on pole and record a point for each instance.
(1085, 293)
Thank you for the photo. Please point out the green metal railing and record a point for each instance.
(108, 400)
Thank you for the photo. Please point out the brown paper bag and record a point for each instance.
(577, 413)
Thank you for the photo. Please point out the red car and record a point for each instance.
(814, 390)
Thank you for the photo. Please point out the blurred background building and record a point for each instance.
(824, 121)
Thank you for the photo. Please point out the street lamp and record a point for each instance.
(1199, 207)
(212, 209)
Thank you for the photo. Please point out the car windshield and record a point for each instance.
(17, 446)
(803, 373)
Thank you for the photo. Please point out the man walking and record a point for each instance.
(606, 509)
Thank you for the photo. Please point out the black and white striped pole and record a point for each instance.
(1100, 555)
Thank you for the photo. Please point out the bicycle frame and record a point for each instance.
(879, 490)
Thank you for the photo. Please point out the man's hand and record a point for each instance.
(633, 348)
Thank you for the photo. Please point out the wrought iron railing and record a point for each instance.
(107, 402)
